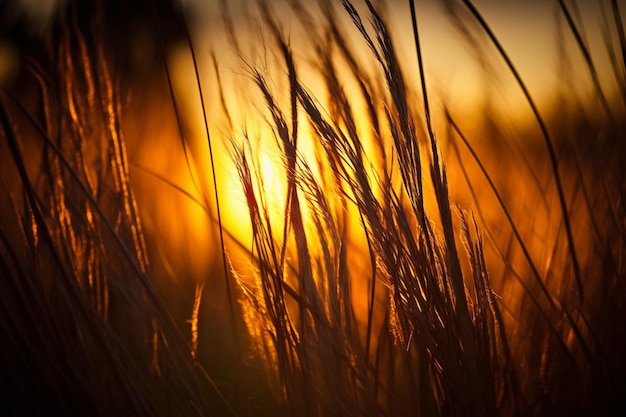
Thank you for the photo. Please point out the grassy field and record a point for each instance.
(323, 236)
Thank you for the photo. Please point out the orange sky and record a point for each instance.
(528, 30)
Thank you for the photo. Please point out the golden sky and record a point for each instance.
(534, 34)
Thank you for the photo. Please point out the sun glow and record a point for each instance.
(321, 249)
(269, 186)
(242, 124)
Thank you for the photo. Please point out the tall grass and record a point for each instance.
(377, 286)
